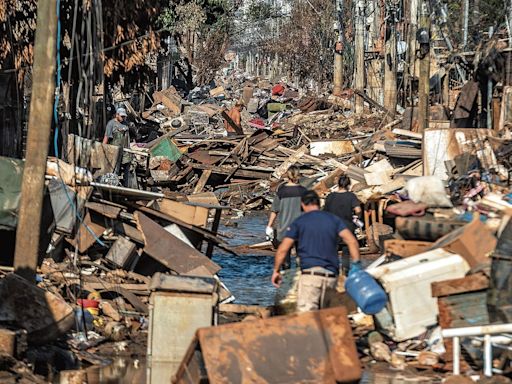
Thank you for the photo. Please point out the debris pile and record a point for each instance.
(435, 205)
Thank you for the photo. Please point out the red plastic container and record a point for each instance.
(87, 303)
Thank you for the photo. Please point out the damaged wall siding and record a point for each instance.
(11, 112)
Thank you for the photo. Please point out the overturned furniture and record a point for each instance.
(309, 347)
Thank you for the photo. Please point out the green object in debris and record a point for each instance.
(11, 174)
(167, 148)
(276, 107)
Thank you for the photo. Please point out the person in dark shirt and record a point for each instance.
(316, 234)
(345, 205)
(286, 208)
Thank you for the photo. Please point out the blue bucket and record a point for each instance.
(366, 292)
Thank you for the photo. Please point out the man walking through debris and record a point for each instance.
(117, 133)
(286, 208)
(346, 206)
(316, 233)
(235, 116)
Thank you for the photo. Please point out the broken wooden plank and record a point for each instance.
(229, 170)
(404, 132)
(99, 285)
(324, 186)
(202, 181)
(281, 170)
(471, 283)
(406, 248)
(168, 250)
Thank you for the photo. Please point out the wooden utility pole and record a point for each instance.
(338, 52)
(374, 79)
(390, 66)
(39, 125)
(424, 80)
(413, 27)
(359, 55)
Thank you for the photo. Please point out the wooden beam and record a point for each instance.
(471, 283)
(202, 181)
(39, 124)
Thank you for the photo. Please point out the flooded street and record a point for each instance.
(247, 276)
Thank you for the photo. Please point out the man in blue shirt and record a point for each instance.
(316, 233)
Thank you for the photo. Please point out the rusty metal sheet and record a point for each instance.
(170, 251)
(204, 157)
(309, 347)
(440, 145)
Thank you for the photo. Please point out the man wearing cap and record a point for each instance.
(316, 233)
(115, 125)
(117, 133)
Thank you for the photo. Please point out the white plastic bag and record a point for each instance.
(428, 190)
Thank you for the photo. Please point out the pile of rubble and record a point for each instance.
(107, 246)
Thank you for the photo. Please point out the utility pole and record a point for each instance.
(39, 125)
(413, 27)
(390, 63)
(359, 54)
(466, 23)
(424, 80)
(338, 51)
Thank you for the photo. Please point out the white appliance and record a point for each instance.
(411, 307)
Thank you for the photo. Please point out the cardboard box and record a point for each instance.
(474, 242)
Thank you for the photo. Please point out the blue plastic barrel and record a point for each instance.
(366, 292)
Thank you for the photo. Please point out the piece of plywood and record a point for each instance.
(377, 178)
(206, 198)
(281, 170)
(170, 251)
(189, 214)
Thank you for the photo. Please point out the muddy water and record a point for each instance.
(247, 275)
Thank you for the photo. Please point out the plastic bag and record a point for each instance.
(428, 190)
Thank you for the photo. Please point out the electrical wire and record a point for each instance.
(56, 133)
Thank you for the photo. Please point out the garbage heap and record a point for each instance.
(436, 221)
